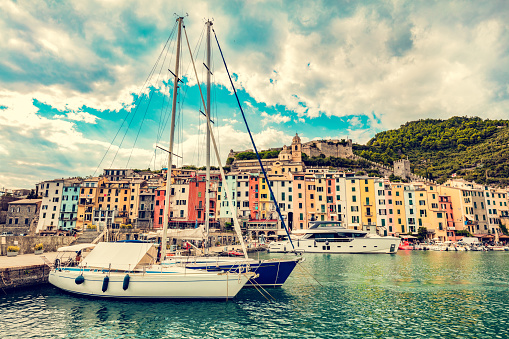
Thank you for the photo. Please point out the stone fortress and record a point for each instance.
(329, 148)
(290, 158)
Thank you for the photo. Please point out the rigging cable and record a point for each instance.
(138, 96)
(151, 95)
(253, 143)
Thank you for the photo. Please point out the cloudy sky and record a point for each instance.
(84, 85)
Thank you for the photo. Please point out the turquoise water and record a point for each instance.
(407, 295)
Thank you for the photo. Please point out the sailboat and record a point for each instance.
(130, 270)
(271, 272)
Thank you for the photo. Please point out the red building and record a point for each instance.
(254, 198)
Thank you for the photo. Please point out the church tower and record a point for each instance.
(296, 149)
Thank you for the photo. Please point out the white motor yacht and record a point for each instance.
(331, 237)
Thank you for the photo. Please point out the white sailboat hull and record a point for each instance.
(355, 245)
(156, 285)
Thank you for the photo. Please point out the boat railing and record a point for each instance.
(333, 239)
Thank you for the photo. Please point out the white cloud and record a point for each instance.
(393, 62)
(48, 148)
(81, 116)
(273, 118)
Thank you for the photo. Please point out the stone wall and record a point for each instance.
(21, 213)
(27, 243)
(16, 277)
(3, 217)
(329, 148)
(13, 230)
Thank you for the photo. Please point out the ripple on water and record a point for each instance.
(416, 295)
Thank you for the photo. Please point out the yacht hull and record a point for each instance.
(151, 285)
(271, 273)
(384, 245)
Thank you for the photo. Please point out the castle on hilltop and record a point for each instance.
(290, 158)
(329, 148)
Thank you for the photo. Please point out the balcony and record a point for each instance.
(199, 207)
(451, 228)
(368, 214)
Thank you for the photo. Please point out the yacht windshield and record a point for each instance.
(326, 224)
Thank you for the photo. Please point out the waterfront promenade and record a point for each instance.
(24, 260)
(24, 270)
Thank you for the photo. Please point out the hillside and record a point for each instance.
(473, 148)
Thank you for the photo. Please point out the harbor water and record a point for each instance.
(419, 294)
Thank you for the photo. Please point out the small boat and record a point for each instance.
(405, 246)
(233, 253)
(331, 237)
(495, 248)
(127, 270)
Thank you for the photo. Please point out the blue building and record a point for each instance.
(69, 205)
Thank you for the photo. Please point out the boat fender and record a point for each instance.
(106, 281)
(125, 285)
(57, 263)
(80, 279)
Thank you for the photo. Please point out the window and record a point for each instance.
(354, 198)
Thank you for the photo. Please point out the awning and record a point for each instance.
(503, 236)
(120, 256)
(75, 248)
(404, 236)
(483, 235)
(187, 233)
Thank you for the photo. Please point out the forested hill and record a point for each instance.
(473, 148)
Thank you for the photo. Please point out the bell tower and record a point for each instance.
(296, 149)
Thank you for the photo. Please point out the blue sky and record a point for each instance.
(72, 72)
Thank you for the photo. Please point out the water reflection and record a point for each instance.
(426, 294)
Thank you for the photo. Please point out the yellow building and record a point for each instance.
(116, 196)
(88, 201)
(435, 219)
(367, 201)
(398, 198)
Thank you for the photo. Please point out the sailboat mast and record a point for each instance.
(207, 116)
(166, 207)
